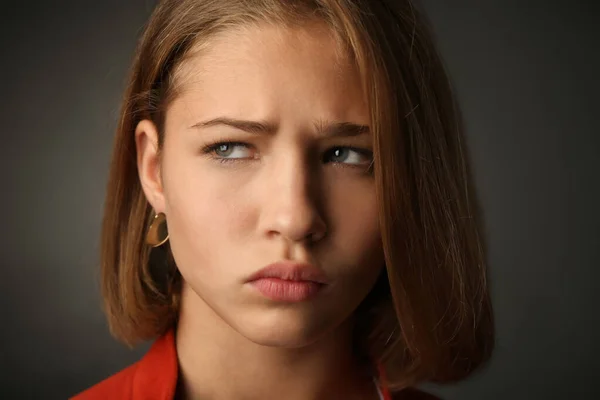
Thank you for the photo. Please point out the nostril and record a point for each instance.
(315, 237)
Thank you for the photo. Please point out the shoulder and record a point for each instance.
(117, 387)
(413, 394)
(152, 377)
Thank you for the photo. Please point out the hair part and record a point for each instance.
(430, 316)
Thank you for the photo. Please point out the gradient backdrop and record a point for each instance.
(527, 76)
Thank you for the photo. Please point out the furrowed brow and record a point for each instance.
(341, 129)
(256, 127)
(337, 129)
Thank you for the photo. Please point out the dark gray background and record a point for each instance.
(527, 76)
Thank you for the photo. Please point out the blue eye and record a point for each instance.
(225, 152)
(228, 151)
(349, 155)
(222, 149)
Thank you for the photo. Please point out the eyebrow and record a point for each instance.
(327, 129)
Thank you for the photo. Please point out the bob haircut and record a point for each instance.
(429, 318)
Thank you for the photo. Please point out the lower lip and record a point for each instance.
(287, 291)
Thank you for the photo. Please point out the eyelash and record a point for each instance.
(211, 148)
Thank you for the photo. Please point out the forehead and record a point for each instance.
(267, 69)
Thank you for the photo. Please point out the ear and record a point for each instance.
(148, 163)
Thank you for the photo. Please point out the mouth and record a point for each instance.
(288, 281)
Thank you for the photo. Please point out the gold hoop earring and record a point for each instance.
(158, 234)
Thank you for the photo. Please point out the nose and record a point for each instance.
(291, 202)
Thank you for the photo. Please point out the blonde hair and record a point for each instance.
(430, 316)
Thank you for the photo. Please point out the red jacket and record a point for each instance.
(154, 377)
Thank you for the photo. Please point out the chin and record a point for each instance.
(285, 328)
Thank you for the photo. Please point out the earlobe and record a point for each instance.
(148, 163)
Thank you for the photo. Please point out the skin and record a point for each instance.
(293, 193)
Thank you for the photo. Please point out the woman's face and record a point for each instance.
(265, 159)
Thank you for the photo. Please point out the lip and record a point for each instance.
(290, 271)
(288, 281)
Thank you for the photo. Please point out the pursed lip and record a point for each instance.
(291, 271)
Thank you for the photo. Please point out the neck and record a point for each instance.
(216, 362)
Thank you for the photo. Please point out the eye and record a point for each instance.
(229, 150)
(349, 155)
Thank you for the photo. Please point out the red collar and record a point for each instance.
(157, 372)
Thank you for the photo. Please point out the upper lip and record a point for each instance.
(290, 271)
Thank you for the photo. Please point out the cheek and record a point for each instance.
(354, 218)
(210, 211)
(355, 253)
(207, 214)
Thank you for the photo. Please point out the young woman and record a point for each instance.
(290, 211)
